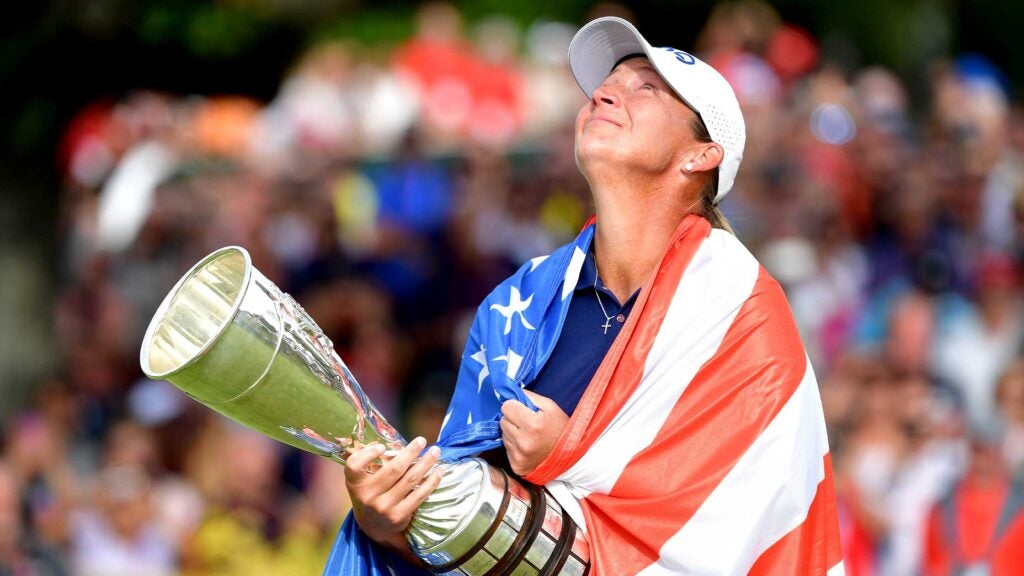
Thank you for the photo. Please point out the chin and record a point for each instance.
(599, 153)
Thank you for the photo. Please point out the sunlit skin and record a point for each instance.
(646, 172)
(633, 145)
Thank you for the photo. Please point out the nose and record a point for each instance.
(605, 94)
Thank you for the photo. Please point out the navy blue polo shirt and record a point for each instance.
(584, 340)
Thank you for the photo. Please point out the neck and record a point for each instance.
(634, 227)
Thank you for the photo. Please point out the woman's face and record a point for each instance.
(634, 120)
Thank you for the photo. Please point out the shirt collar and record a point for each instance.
(587, 273)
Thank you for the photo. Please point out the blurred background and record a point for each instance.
(389, 163)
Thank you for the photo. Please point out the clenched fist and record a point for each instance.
(530, 436)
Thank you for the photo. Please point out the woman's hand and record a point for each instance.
(530, 436)
(383, 501)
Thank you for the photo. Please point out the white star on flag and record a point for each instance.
(481, 357)
(515, 306)
(513, 360)
(534, 262)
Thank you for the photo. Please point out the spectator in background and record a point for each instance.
(21, 554)
(255, 525)
(175, 506)
(467, 93)
(118, 533)
(979, 527)
(50, 490)
(240, 478)
(414, 199)
(980, 343)
(1009, 400)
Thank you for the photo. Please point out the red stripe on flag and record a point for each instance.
(731, 400)
(812, 547)
(624, 362)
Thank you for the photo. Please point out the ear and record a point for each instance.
(703, 157)
(707, 157)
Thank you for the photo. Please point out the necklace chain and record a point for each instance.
(607, 319)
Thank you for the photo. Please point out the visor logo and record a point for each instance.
(684, 57)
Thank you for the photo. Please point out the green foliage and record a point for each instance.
(371, 26)
(31, 128)
(219, 32)
(161, 23)
(214, 31)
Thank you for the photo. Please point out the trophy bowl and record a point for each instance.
(233, 341)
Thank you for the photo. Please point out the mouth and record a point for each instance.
(602, 119)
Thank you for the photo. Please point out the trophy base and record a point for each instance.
(508, 528)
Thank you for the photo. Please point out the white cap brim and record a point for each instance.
(598, 46)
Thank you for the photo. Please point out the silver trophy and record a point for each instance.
(232, 340)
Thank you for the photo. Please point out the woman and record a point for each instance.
(649, 374)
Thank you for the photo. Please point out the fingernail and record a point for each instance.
(420, 442)
(434, 452)
(379, 448)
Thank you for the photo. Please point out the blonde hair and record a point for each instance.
(708, 208)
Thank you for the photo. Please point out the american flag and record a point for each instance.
(699, 446)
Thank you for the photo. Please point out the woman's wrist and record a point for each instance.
(401, 547)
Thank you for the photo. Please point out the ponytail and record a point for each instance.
(708, 208)
(714, 215)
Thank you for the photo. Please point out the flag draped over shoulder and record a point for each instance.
(699, 446)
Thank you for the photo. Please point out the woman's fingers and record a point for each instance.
(515, 412)
(358, 465)
(385, 500)
(423, 490)
(418, 471)
(395, 465)
(417, 483)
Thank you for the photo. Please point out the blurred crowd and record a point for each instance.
(389, 189)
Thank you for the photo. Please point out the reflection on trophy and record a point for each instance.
(232, 340)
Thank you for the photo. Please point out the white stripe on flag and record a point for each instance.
(569, 499)
(837, 570)
(766, 495)
(572, 273)
(711, 292)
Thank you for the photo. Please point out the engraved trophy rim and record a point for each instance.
(161, 310)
